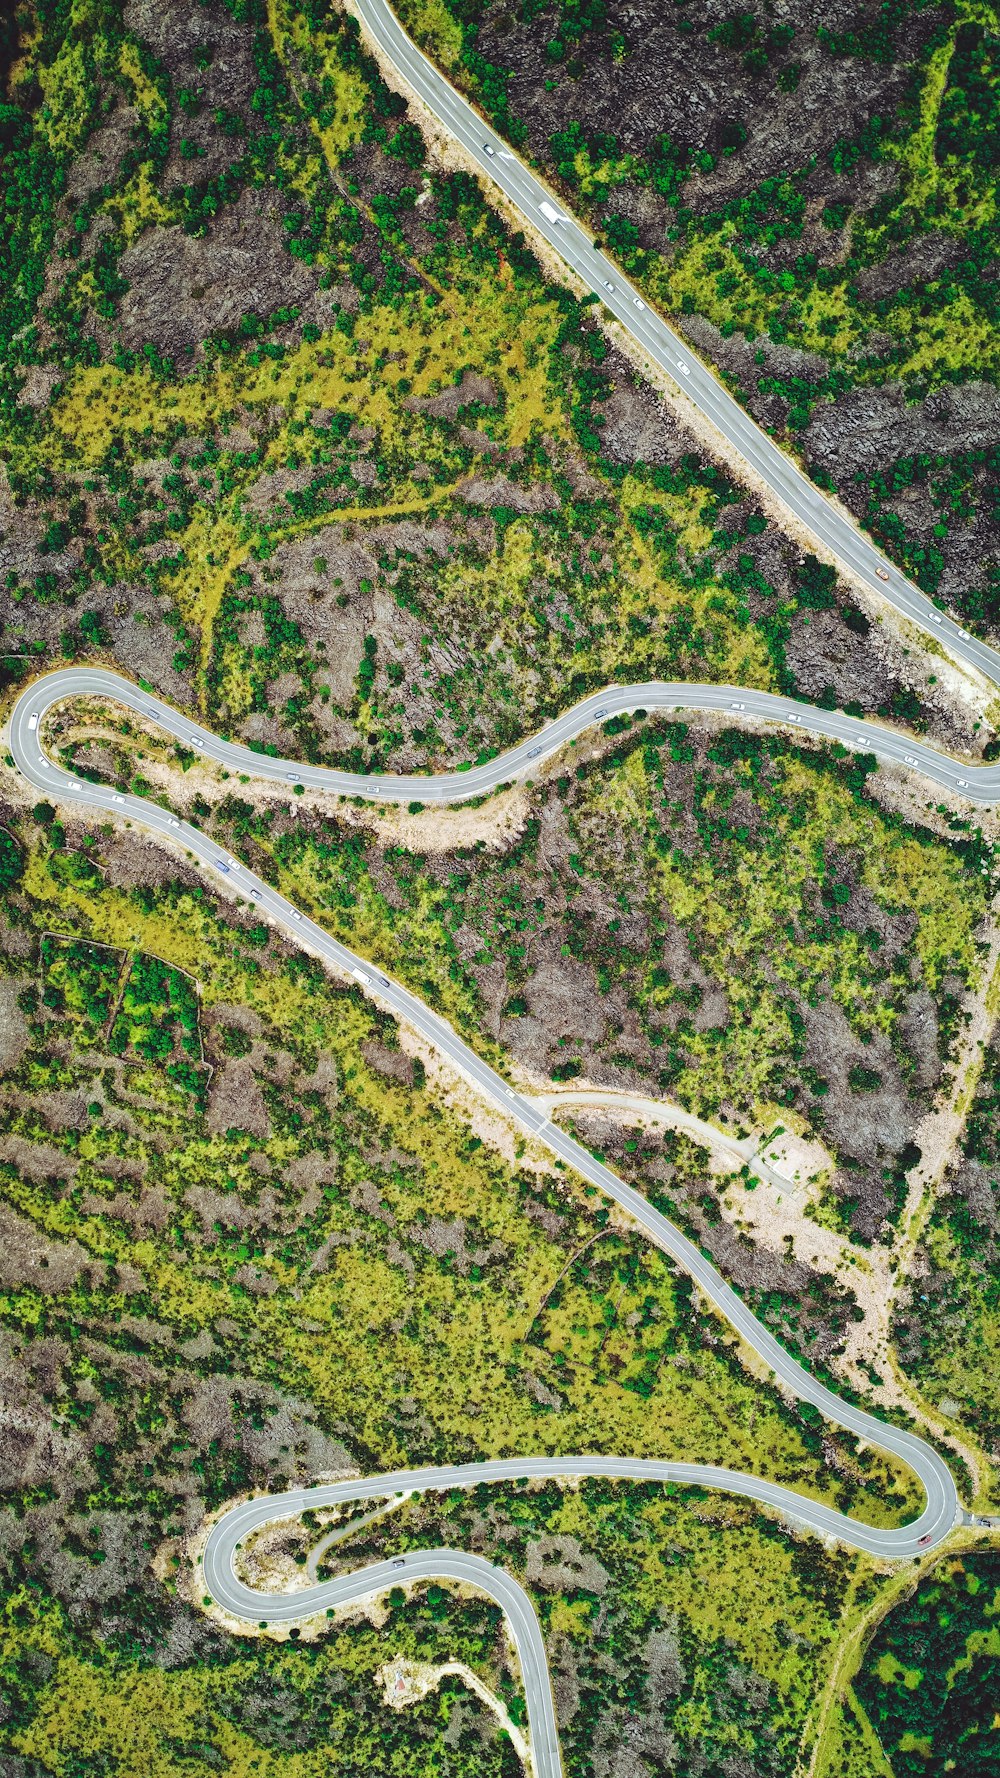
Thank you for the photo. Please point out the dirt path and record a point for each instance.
(406, 1682)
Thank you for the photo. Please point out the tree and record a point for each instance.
(11, 860)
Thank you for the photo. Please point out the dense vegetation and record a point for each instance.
(929, 1678)
(374, 490)
(816, 202)
(948, 1325)
(293, 428)
(646, 1584)
(223, 1283)
(720, 918)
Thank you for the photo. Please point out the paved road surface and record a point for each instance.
(976, 784)
(828, 523)
(941, 1509)
(740, 1151)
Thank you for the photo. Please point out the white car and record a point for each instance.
(963, 783)
(910, 759)
(33, 720)
(174, 823)
(637, 302)
(935, 617)
(487, 149)
(255, 895)
(607, 284)
(685, 369)
(737, 706)
(118, 799)
(295, 914)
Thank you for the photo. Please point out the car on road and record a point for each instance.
(400, 1562)
(910, 759)
(295, 914)
(737, 706)
(550, 213)
(598, 714)
(255, 895)
(118, 799)
(637, 302)
(881, 574)
(488, 150)
(173, 823)
(361, 975)
(33, 720)
(533, 752)
(922, 1542)
(963, 783)
(685, 369)
(607, 283)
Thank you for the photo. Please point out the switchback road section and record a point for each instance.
(941, 1511)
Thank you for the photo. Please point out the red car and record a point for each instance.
(921, 1541)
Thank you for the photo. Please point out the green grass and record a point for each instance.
(669, 1610)
(458, 1336)
(755, 848)
(244, 1708)
(948, 1328)
(425, 1299)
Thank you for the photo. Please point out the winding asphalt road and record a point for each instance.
(833, 529)
(941, 1511)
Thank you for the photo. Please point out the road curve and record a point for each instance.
(941, 1509)
(828, 523)
(978, 784)
(833, 529)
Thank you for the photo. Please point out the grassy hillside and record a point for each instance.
(295, 430)
(814, 196)
(243, 1244)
